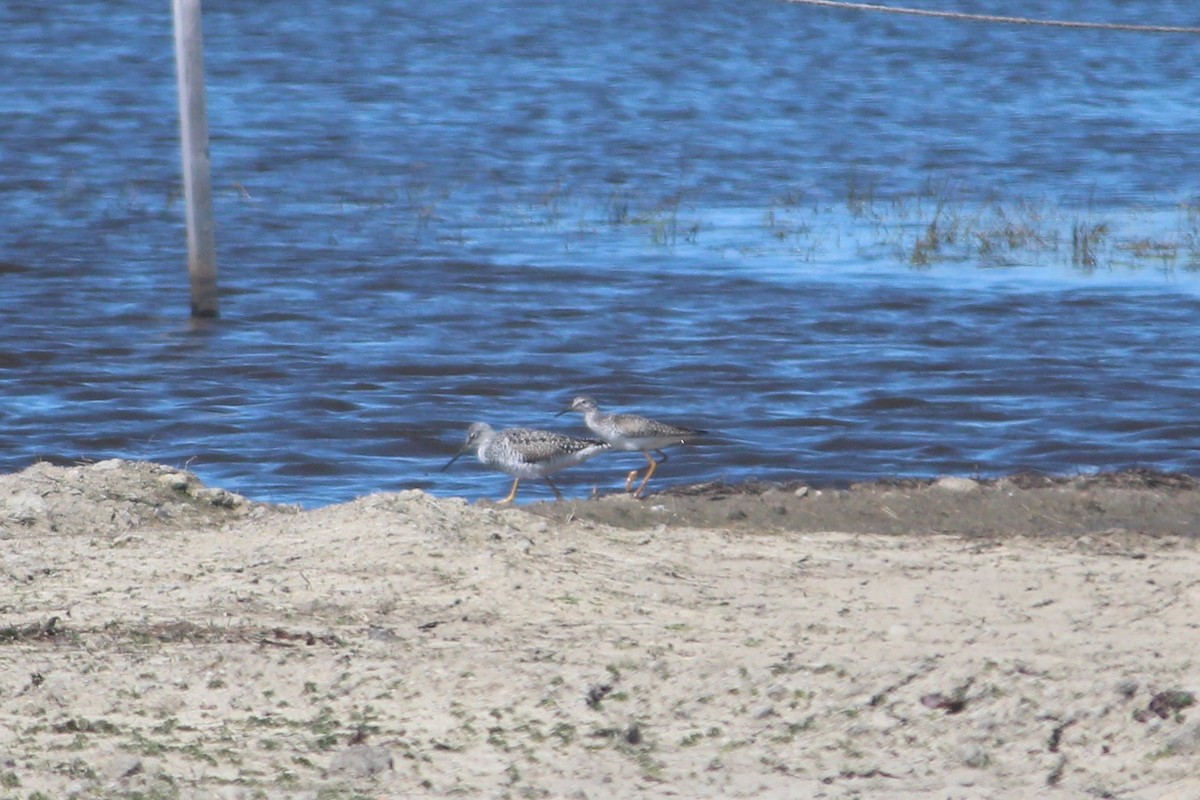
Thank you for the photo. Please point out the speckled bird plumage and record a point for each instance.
(527, 452)
(633, 433)
(630, 431)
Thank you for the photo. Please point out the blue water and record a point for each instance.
(433, 213)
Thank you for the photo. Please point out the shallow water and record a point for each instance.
(461, 211)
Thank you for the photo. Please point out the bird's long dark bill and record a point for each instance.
(451, 461)
(564, 411)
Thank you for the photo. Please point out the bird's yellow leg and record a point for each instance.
(630, 478)
(649, 471)
(513, 494)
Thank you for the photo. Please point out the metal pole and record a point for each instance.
(197, 180)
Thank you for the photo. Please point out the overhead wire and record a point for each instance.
(998, 18)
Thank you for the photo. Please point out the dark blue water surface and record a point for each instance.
(720, 214)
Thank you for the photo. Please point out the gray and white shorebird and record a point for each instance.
(527, 453)
(631, 432)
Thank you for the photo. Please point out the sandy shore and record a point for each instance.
(160, 639)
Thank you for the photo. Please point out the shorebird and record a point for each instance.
(526, 453)
(631, 432)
